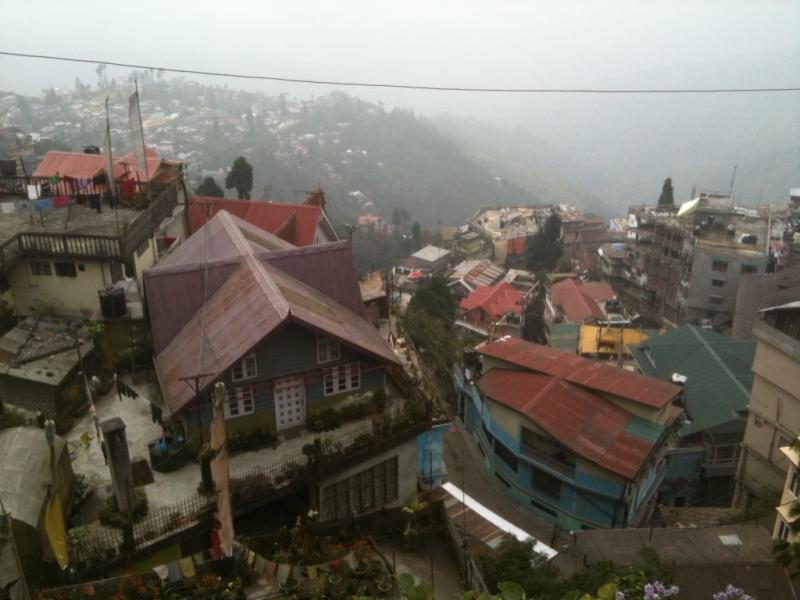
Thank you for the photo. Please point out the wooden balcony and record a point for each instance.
(548, 463)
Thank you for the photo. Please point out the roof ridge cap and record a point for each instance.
(268, 285)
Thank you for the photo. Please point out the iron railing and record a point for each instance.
(548, 462)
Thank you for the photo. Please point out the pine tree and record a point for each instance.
(666, 198)
(240, 177)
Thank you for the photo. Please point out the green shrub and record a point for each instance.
(110, 515)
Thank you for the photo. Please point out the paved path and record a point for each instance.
(458, 449)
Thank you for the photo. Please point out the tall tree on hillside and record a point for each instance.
(665, 199)
(396, 218)
(240, 177)
(416, 235)
(546, 247)
(210, 188)
(534, 328)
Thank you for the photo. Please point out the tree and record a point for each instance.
(240, 177)
(210, 188)
(666, 194)
(546, 247)
(416, 235)
(396, 218)
(534, 328)
(434, 297)
(429, 322)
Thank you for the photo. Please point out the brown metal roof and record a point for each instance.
(588, 373)
(250, 294)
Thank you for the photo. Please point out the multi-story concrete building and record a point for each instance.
(684, 264)
(774, 408)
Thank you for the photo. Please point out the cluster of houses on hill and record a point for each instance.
(252, 319)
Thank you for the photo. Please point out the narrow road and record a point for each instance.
(458, 450)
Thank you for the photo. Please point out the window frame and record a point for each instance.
(242, 366)
(794, 483)
(328, 345)
(341, 379)
(718, 283)
(716, 300)
(784, 530)
(719, 262)
(40, 263)
(73, 269)
(243, 397)
(748, 269)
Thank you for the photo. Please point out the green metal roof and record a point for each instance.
(644, 429)
(564, 337)
(718, 369)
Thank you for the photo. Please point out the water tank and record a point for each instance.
(112, 303)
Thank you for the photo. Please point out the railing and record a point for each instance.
(146, 223)
(548, 462)
(14, 185)
(329, 453)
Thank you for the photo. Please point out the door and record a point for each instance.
(290, 402)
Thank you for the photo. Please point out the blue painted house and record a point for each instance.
(578, 441)
(282, 327)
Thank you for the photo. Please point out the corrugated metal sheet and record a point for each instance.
(591, 426)
(497, 301)
(76, 164)
(250, 295)
(580, 301)
(588, 373)
(295, 223)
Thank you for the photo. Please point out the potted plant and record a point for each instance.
(411, 531)
(289, 585)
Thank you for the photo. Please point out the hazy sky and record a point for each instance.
(526, 43)
(514, 43)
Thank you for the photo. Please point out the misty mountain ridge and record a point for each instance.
(367, 159)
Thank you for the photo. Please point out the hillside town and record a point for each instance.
(204, 395)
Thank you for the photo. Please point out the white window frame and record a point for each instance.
(248, 367)
(341, 379)
(241, 401)
(794, 482)
(328, 350)
(41, 263)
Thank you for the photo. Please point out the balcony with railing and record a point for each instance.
(546, 462)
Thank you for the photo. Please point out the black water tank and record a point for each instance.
(112, 303)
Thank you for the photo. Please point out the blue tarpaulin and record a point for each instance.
(430, 455)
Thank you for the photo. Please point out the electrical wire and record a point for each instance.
(419, 87)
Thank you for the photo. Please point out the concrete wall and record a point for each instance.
(406, 454)
(73, 296)
(774, 414)
(702, 288)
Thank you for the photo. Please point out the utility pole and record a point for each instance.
(195, 382)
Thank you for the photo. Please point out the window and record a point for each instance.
(343, 378)
(328, 350)
(546, 483)
(368, 490)
(40, 267)
(66, 269)
(717, 282)
(241, 401)
(724, 455)
(246, 369)
(794, 484)
(749, 269)
(506, 455)
(715, 299)
(783, 531)
(719, 265)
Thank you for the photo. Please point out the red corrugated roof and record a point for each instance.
(496, 300)
(76, 164)
(589, 425)
(579, 301)
(585, 372)
(295, 223)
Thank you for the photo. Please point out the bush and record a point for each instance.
(246, 441)
(110, 515)
(332, 417)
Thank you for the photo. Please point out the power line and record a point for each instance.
(420, 87)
